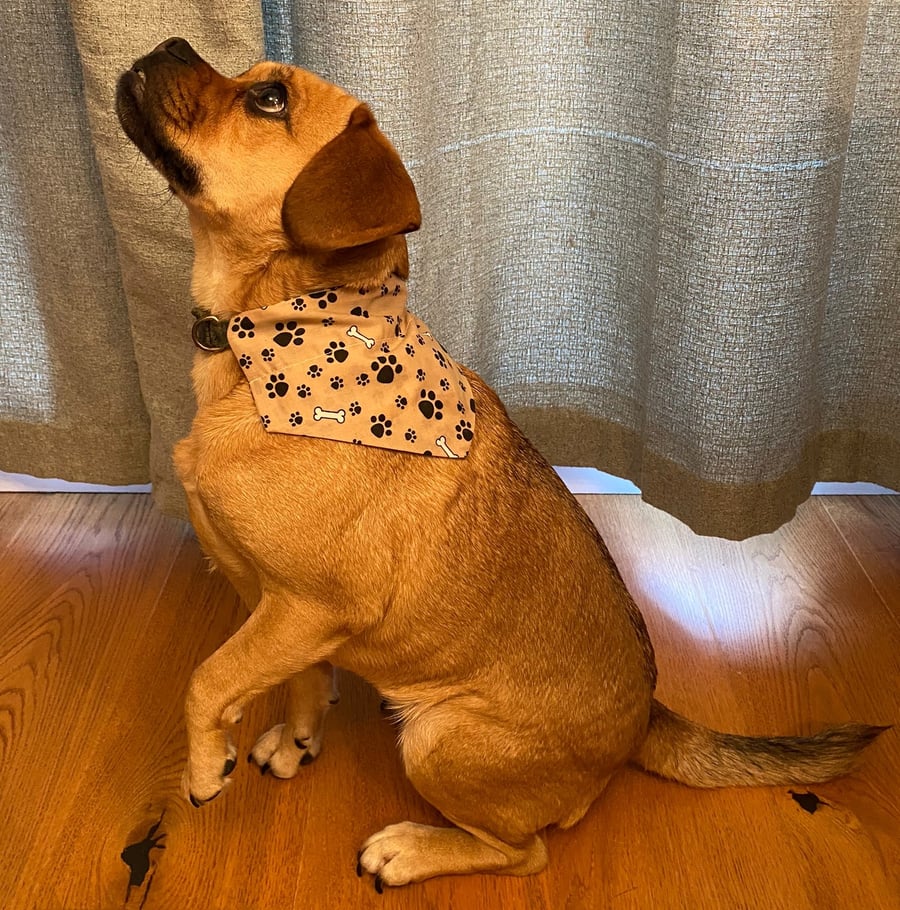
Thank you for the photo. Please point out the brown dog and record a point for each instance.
(473, 592)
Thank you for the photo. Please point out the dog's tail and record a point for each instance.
(678, 749)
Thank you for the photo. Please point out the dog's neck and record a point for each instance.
(233, 274)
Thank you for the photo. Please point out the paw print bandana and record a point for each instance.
(354, 366)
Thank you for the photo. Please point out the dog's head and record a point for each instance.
(275, 151)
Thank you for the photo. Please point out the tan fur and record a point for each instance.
(474, 594)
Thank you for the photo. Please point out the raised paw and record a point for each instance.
(206, 774)
(282, 754)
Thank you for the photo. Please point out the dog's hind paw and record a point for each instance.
(282, 754)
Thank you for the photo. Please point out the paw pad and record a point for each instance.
(244, 327)
(430, 405)
(464, 430)
(336, 352)
(288, 333)
(276, 386)
(381, 426)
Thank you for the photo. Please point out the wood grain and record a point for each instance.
(106, 607)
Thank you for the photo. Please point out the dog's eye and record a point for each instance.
(268, 98)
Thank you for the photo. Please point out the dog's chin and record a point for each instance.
(139, 126)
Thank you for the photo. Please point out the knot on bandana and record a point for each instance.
(354, 366)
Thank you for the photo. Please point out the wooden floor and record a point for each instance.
(106, 606)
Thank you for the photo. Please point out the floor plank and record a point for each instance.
(106, 607)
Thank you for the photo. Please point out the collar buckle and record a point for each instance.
(209, 333)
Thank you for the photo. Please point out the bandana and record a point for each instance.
(354, 366)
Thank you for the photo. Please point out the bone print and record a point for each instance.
(322, 414)
(442, 442)
(354, 332)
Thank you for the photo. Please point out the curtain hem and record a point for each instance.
(711, 508)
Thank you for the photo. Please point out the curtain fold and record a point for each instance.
(668, 234)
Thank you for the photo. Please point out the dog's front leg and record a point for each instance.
(284, 748)
(283, 637)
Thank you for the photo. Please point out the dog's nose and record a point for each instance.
(177, 48)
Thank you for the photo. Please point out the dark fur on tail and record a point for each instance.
(681, 750)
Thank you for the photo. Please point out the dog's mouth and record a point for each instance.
(140, 115)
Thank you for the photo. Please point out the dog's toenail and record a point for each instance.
(335, 700)
(264, 768)
(229, 767)
(197, 803)
(379, 884)
(301, 743)
(359, 868)
(307, 758)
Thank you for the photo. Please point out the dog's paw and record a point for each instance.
(205, 778)
(282, 754)
(398, 855)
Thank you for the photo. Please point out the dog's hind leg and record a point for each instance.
(285, 747)
(499, 786)
(282, 638)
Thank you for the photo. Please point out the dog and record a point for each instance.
(461, 578)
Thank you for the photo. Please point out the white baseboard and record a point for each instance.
(578, 480)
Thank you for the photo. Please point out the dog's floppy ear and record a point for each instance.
(354, 191)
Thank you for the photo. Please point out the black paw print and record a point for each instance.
(244, 327)
(354, 408)
(420, 339)
(299, 304)
(410, 350)
(460, 407)
(420, 375)
(410, 435)
(381, 426)
(324, 297)
(440, 358)
(296, 419)
(464, 430)
(385, 348)
(315, 371)
(387, 368)
(337, 383)
(246, 361)
(268, 355)
(362, 379)
(396, 290)
(431, 406)
(288, 333)
(389, 320)
(359, 311)
(328, 321)
(303, 391)
(276, 386)
(445, 385)
(401, 401)
(266, 420)
(336, 351)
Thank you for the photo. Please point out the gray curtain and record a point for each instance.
(668, 234)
